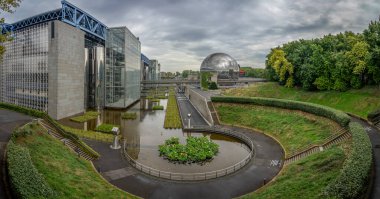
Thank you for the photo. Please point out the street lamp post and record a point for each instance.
(189, 117)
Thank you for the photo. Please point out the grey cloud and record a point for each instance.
(180, 33)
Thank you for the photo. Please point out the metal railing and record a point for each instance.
(198, 176)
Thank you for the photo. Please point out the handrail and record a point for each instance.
(197, 176)
(329, 140)
(310, 146)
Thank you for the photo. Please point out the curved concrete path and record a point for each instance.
(266, 164)
(9, 120)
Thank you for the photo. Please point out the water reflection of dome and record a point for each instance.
(219, 62)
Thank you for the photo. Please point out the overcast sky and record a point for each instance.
(181, 33)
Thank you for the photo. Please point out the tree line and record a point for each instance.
(333, 62)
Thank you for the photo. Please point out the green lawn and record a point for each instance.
(68, 175)
(89, 115)
(359, 102)
(104, 137)
(306, 178)
(294, 129)
(172, 117)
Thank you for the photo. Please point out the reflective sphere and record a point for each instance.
(219, 62)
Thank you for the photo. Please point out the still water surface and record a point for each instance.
(144, 134)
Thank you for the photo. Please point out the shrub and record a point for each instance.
(197, 149)
(374, 114)
(353, 178)
(213, 86)
(158, 107)
(129, 116)
(338, 116)
(25, 180)
(106, 128)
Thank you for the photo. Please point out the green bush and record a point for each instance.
(129, 116)
(158, 107)
(212, 86)
(338, 116)
(43, 115)
(25, 180)
(353, 179)
(106, 128)
(374, 114)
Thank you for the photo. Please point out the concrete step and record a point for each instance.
(67, 142)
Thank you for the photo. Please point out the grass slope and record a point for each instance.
(359, 102)
(294, 129)
(68, 175)
(306, 178)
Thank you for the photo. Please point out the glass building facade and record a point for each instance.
(24, 69)
(65, 65)
(122, 69)
(94, 70)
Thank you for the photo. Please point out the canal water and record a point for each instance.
(144, 134)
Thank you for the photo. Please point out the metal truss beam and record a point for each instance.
(69, 14)
(80, 19)
(145, 59)
(47, 16)
(5, 28)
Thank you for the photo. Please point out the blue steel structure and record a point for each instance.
(145, 59)
(69, 14)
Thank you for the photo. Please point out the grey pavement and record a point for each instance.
(185, 107)
(9, 120)
(265, 165)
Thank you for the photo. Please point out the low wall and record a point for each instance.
(200, 103)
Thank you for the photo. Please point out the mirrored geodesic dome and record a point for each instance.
(222, 66)
(219, 62)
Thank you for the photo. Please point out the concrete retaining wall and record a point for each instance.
(200, 103)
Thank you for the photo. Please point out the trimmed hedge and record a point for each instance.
(338, 116)
(158, 107)
(25, 180)
(354, 176)
(374, 114)
(40, 114)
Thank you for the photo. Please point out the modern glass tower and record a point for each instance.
(122, 71)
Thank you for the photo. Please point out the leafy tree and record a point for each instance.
(6, 6)
(372, 37)
(283, 68)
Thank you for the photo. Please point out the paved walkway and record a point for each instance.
(185, 107)
(374, 136)
(266, 164)
(9, 120)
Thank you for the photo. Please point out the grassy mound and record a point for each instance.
(294, 129)
(359, 102)
(67, 174)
